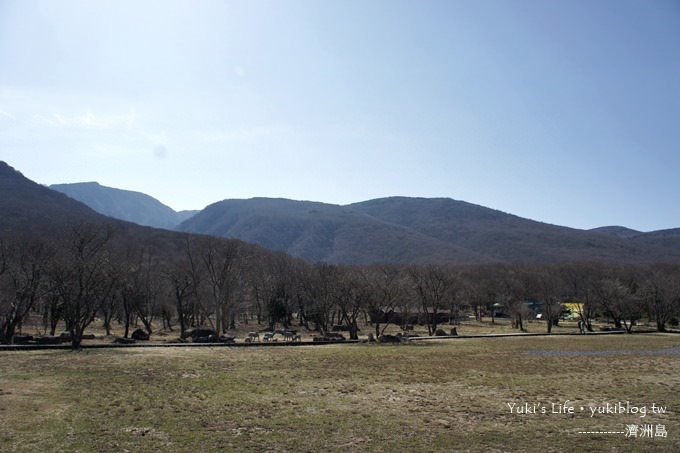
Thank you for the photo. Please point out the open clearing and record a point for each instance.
(431, 396)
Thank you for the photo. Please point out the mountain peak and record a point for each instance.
(618, 231)
(122, 204)
(7, 171)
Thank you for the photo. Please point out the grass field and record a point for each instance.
(450, 395)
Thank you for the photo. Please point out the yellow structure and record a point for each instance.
(574, 308)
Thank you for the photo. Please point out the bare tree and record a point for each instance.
(49, 306)
(21, 284)
(198, 283)
(219, 263)
(457, 296)
(509, 291)
(257, 282)
(476, 290)
(180, 284)
(661, 291)
(620, 301)
(262, 276)
(278, 288)
(147, 306)
(316, 284)
(544, 284)
(352, 295)
(386, 283)
(109, 310)
(82, 277)
(128, 291)
(581, 282)
(139, 287)
(434, 286)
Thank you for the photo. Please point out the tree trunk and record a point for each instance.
(182, 325)
(76, 338)
(127, 327)
(660, 325)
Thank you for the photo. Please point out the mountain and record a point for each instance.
(619, 231)
(30, 210)
(414, 230)
(667, 239)
(321, 232)
(27, 207)
(124, 204)
(394, 230)
(503, 236)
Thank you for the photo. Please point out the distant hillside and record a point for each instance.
(666, 239)
(124, 204)
(394, 230)
(619, 231)
(322, 232)
(413, 230)
(502, 236)
(28, 209)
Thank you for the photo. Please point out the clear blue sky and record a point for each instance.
(567, 112)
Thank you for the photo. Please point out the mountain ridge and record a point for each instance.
(405, 230)
(418, 230)
(313, 230)
(122, 204)
(29, 210)
(618, 230)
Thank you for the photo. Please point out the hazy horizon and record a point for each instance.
(561, 112)
(313, 201)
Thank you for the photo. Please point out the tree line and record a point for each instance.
(86, 276)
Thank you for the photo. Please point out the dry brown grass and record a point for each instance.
(441, 396)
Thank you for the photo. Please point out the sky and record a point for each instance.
(566, 112)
